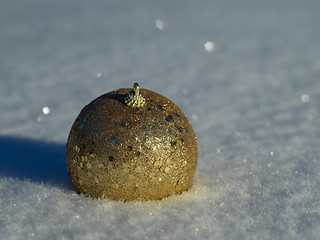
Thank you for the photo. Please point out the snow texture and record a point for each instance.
(246, 73)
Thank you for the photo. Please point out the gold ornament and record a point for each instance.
(123, 148)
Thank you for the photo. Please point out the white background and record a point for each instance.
(246, 73)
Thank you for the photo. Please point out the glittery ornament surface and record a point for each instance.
(126, 153)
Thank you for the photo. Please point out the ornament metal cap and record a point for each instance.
(135, 98)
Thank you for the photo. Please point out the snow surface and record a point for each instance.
(246, 73)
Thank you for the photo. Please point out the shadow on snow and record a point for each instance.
(38, 161)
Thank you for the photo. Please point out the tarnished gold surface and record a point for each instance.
(126, 153)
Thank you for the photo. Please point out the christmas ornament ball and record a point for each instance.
(131, 144)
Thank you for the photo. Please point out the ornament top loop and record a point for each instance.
(135, 98)
(136, 89)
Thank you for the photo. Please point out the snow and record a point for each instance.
(246, 73)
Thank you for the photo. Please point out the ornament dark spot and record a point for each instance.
(83, 148)
(130, 148)
(89, 119)
(110, 158)
(177, 183)
(169, 118)
(149, 109)
(180, 129)
(177, 114)
(173, 143)
(143, 126)
(174, 134)
(160, 107)
(138, 153)
(91, 147)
